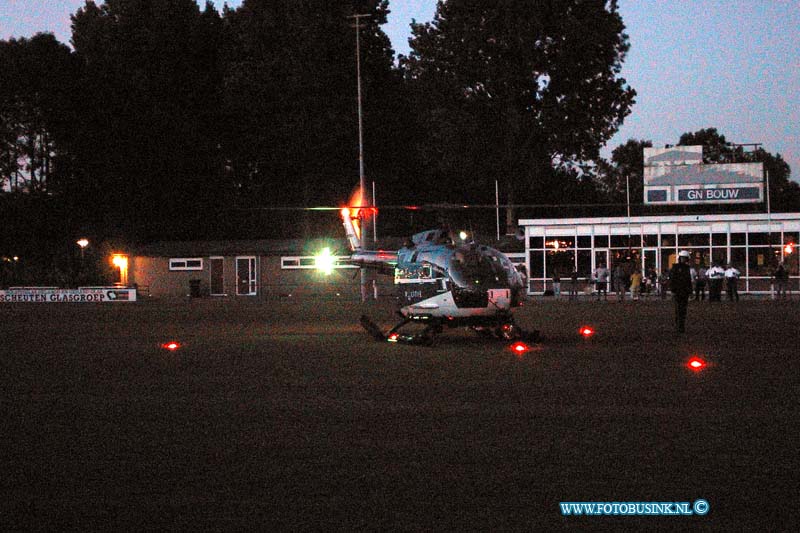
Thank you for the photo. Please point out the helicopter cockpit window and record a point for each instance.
(414, 273)
(472, 267)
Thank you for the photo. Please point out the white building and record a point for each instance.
(753, 243)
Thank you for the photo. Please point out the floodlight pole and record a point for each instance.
(497, 206)
(362, 180)
(628, 202)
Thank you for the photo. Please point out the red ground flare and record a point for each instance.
(697, 364)
(171, 346)
(520, 348)
(586, 331)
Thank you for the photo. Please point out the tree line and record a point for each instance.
(170, 120)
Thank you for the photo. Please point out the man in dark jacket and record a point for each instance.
(680, 282)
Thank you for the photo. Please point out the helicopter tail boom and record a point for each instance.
(382, 260)
(352, 228)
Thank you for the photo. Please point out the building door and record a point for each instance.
(216, 282)
(246, 276)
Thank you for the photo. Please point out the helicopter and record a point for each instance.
(444, 282)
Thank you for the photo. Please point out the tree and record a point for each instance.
(35, 94)
(290, 100)
(514, 89)
(146, 133)
(624, 171)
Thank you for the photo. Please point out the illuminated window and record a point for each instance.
(186, 263)
(309, 262)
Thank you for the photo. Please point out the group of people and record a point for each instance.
(622, 281)
(688, 281)
(684, 280)
(714, 278)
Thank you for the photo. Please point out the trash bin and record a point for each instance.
(194, 288)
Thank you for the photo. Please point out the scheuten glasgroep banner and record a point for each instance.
(92, 295)
(677, 175)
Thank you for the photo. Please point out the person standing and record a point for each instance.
(652, 278)
(663, 284)
(636, 284)
(715, 275)
(781, 277)
(732, 282)
(618, 278)
(601, 281)
(573, 287)
(700, 283)
(680, 282)
(556, 283)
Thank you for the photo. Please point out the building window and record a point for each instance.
(559, 243)
(309, 262)
(584, 241)
(739, 260)
(719, 239)
(760, 262)
(758, 239)
(561, 262)
(537, 264)
(619, 241)
(692, 240)
(584, 263)
(601, 241)
(719, 256)
(537, 242)
(186, 263)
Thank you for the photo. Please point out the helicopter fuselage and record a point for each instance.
(461, 283)
(444, 283)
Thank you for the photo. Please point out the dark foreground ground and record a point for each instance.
(286, 416)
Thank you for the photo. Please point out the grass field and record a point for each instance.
(285, 415)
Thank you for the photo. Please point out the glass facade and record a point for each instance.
(751, 243)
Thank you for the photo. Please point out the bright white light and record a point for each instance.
(463, 235)
(83, 243)
(325, 261)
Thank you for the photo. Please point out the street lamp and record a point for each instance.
(83, 243)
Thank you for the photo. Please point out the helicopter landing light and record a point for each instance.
(325, 261)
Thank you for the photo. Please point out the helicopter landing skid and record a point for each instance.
(503, 331)
(425, 337)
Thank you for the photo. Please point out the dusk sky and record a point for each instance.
(729, 64)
